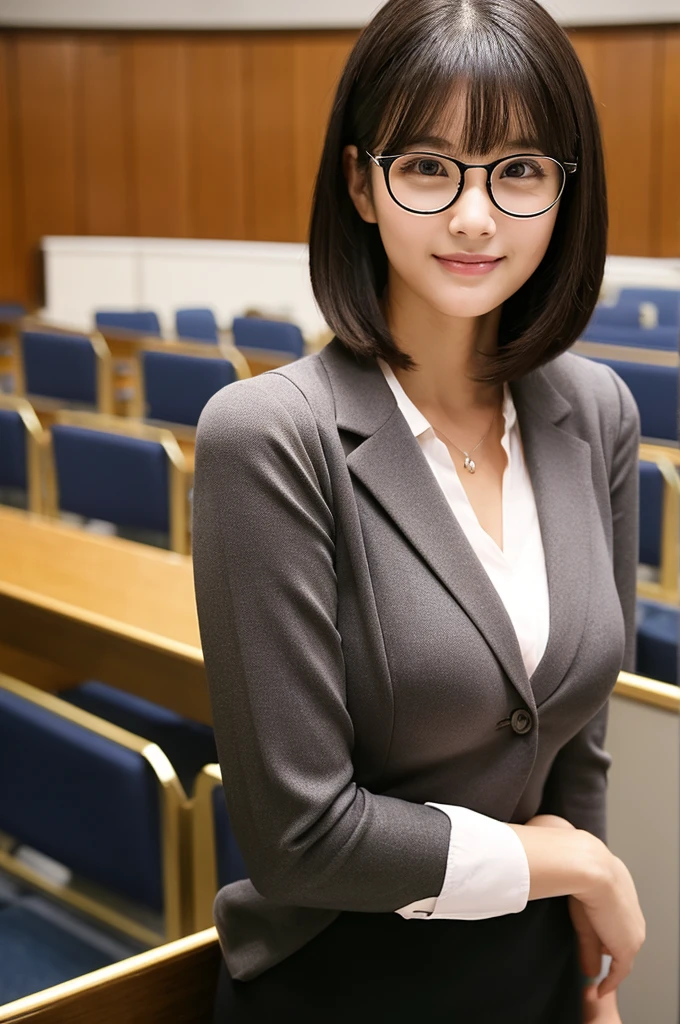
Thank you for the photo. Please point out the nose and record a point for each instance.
(472, 214)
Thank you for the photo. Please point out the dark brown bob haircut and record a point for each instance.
(515, 66)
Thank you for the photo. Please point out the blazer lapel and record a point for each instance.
(559, 467)
(391, 465)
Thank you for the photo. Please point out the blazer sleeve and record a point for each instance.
(267, 593)
(576, 788)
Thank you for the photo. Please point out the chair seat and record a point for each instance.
(36, 953)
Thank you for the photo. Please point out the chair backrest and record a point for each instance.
(651, 513)
(68, 367)
(659, 470)
(124, 473)
(189, 745)
(95, 798)
(626, 313)
(217, 860)
(199, 323)
(665, 338)
(666, 300)
(22, 443)
(177, 387)
(275, 335)
(11, 311)
(655, 389)
(141, 321)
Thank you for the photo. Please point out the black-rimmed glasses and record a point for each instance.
(521, 185)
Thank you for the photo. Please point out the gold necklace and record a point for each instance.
(469, 463)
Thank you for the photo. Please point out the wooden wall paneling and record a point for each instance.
(160, 136)
(269, 155)
(47, 78)
(669, 148)
(105, 136)
(217, 168)
(620, 68)
(319, 62)
(11, 280)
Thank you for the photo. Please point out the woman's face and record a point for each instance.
(417, 246)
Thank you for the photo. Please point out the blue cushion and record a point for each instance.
(667, 301)
(35, 954)
(120, 479)
(196, 324)
(657, 641)
(60, 366)
(651, 513)
(177, 387)
(230, 866)
(142, 321)
(12, 449)
(655, 389)
(81, 799)
(253, 332)
(188, 745)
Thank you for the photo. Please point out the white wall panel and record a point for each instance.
(199, 14)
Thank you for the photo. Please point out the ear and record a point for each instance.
(358, 184)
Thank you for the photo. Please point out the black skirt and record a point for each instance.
(368, 968)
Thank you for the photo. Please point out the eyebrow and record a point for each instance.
(444, 144)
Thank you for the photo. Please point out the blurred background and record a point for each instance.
(157, 161)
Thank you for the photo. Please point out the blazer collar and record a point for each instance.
(390, 463)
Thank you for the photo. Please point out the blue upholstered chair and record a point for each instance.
(179, 378)
(666, 300)
(655, 388)
(119, 471)
(626, 313)
(188, 745)
(662, 338)
(102, 803)
(141, 321)
(658, 632)
(22, 445)
(60, 369)
(217, 860)
(273, 335)
(197, 324)
(11, 311)
(659, 554)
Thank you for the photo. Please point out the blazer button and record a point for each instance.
(521, 722)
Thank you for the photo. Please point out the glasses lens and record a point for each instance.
(422, 182)
(527, 184)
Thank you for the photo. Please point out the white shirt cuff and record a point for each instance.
(487, 871)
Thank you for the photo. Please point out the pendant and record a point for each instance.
(469, 464)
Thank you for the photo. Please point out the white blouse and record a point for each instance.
(487, 872)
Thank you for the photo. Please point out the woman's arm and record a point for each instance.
(266, 592)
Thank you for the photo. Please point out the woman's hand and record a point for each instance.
(598, 1008)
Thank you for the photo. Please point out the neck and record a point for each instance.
(446, 349)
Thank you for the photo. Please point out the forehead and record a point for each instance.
(455, 124)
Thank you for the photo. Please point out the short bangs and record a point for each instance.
(521, 79)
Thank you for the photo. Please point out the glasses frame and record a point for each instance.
(386, 162)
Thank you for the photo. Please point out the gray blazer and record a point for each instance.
(360, 661)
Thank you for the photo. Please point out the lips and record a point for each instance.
(465, 257)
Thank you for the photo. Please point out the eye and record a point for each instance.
(523, 169)
(426, 166)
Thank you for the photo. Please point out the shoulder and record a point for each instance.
(601, 401)
(269, 405)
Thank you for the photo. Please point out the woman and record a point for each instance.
(415, 558)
